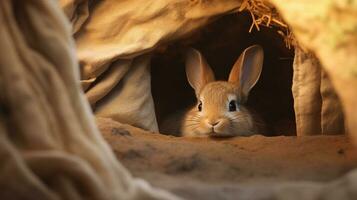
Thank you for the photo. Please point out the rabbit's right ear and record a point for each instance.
(198, 72)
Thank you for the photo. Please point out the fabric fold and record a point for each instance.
(50, 146)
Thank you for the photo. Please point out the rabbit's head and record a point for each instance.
(220, 107)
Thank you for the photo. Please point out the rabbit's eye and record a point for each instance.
(200, 106)
(232, 106)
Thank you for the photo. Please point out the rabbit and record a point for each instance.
(220, 110)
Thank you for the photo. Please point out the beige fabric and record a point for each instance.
(50, 148)
(49, 145)
(111, 34)
(115, 32)
(332, 119)
(77, 11)
(130, 101)
(329, 30)
(317, 107)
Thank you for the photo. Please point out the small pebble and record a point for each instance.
(120, 131)
(341, 151)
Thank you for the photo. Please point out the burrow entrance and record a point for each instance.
(221, 42)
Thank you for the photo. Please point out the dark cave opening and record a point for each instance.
(221, 42)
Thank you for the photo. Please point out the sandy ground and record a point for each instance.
(216, 169)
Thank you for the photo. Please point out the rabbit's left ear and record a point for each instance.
(247, 69)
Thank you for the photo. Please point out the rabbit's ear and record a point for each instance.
(198, 71)
(247, 69)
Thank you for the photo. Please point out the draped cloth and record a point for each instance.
(114, 40)
(317, 107)
(332, 37)
(50, 148)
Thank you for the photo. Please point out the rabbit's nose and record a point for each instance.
(214, 123)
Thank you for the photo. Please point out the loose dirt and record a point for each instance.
(216, 168)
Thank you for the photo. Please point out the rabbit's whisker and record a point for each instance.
(192, 120)
(194, 124)
(239, 117)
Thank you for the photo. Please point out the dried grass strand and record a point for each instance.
(264, 14)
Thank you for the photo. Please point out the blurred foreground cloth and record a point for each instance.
(114, 39)
(50, 148)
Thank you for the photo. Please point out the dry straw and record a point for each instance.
(264, 14)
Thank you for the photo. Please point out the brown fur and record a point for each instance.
(215, 107)
(215, 118)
